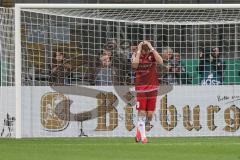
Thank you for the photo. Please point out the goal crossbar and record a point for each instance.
(129, 6)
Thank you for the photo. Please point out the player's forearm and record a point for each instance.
(157, 57)
(135, 60)
(135, 64)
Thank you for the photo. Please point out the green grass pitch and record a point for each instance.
(205, 148)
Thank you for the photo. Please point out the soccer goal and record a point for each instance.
(62, 84)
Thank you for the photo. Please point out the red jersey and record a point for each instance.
(146, 74)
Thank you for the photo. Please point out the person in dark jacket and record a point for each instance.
(211, 67)
(60, 70)
(106, 72)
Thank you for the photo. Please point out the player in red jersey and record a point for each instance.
(145, 61)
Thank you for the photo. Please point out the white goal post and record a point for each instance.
(36, 8)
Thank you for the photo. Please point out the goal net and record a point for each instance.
(7, 80)
(75, 75)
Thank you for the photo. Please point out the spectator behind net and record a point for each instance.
(211, 67)
(118, 58)
(60, 70)
(218, 64)
(169, 70)
(181, 73)
(105, 73)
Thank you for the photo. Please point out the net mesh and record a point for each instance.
(7, 79)
(151, 16)
(84, 34)
(7, 46)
